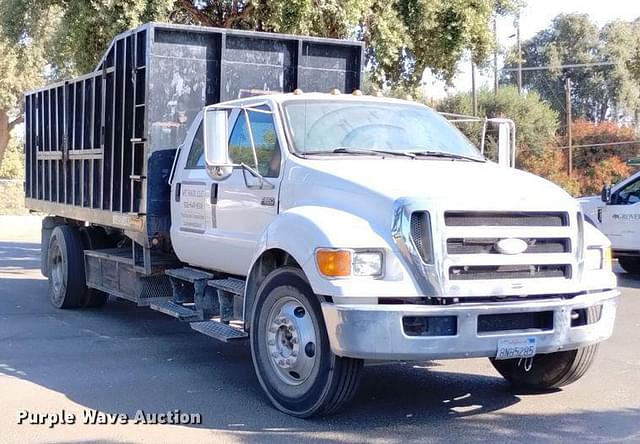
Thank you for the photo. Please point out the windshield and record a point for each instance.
(324, 126)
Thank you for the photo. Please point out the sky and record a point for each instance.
(536, 16)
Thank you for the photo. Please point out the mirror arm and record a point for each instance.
(253, 146)
(484, 134)
(257, 175)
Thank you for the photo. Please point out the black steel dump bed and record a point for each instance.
(99, 148)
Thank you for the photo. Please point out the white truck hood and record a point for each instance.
(431, 179)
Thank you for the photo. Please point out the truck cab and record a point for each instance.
(405, 236)
(616, 213)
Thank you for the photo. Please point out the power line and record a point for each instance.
(571, 65)
(595, 145)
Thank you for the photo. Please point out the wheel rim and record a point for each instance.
(56, 271)
(291, 341)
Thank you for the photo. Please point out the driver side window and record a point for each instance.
(628, 195)
(196, 153)
(264, 139)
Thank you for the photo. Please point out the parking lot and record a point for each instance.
(121, 358)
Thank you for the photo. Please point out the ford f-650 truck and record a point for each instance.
(196, 172)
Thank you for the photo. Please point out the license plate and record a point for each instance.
(510, 348)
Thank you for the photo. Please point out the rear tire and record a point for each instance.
(291, 352)
(65, 258)
(547, 371)
(630, 264)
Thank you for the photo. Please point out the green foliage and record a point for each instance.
(12, 197)
(82, 30)
(13, 162)
(598, 92)
(536, 123)
(403, 36)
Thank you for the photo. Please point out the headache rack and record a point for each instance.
(99, 148)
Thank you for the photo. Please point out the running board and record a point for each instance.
(178, 311)
(220, 331)
(232, 285)
(188, 274)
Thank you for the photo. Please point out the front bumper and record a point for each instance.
(377, 332)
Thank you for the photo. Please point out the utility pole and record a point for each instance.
(474, 97)
(567, 91)
(519, 53)
(495, 54)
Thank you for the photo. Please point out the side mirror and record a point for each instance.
(605, 194)
(216, 146)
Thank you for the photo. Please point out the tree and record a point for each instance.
(622, 45)
(536, 123)
(403, 36)
(20, 69)
(598, 165)
(599, 92)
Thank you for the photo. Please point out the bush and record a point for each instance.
(12, 165)
(536, 123)
(12, 197)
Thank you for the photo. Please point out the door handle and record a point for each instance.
(178, 189)
(214, 193)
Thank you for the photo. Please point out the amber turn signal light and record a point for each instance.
(334, 263)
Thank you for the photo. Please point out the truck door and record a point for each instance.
(245, 206)
(190, 199)
(217, 225)
(620, 219)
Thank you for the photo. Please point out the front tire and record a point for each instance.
(547, 371)
(630, 264)
(291, 352)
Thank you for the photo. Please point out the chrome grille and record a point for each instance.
(487, 245)
(460, 273)
(507, 219)
(471, 251)
(420, 234)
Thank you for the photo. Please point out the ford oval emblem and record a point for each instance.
(511, 246)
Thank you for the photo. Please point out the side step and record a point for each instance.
(232, 285)
(188, 274)
(176, 310)
(220, 331)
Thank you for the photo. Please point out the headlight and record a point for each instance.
(343, 263)
(367, 263)
(598, 258)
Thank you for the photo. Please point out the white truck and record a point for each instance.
(616, 212)
(327, 229)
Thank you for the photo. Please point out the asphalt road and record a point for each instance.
(122, 358)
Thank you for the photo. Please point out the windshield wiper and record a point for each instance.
(443, 154)
(363, 152)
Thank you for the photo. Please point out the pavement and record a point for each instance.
(120, 359)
